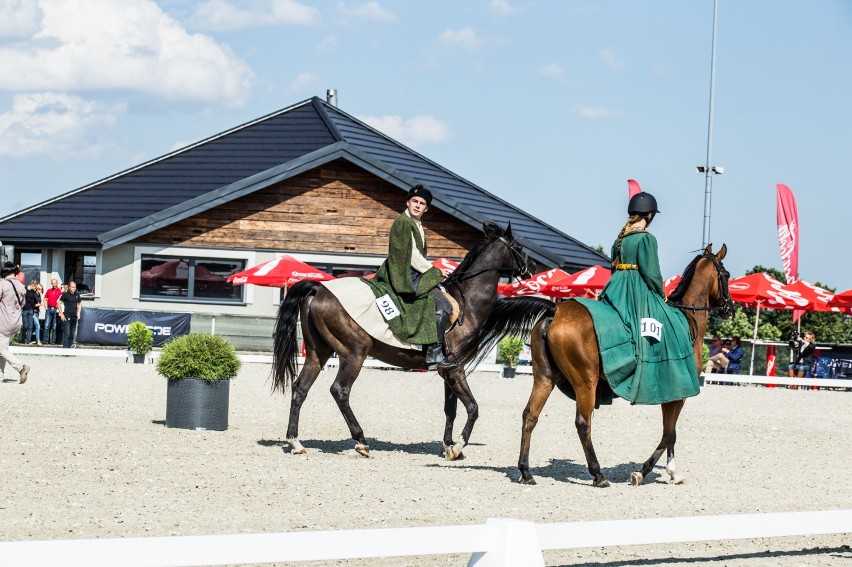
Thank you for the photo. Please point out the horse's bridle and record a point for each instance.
(726, 309)
(519, 261)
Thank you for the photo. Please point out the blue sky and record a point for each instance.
(551, 106)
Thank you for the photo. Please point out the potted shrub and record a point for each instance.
(140, 340)
(199, 369)
(509, 350)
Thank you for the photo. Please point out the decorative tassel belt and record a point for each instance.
(626, 267)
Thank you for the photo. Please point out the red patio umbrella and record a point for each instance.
(533, 285)
(842, 299)
(585, 283)
(438, 263)
(818, 298)
(762, 290)
(671, 284)
(280, 272)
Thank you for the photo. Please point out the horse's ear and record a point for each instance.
(723, 251)
(491, 228)
(508, 233)
(709, 249)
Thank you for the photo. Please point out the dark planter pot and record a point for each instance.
(138, 358)
(192, 403)
(508, 372)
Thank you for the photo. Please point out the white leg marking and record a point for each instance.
(671, 468)
(296, 447)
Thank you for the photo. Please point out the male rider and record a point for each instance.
(411, 282)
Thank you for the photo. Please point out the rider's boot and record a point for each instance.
(435, 355)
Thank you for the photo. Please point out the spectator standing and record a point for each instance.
(34, 299)
(803, 349)
(41, 309)
(12, 296)
(51, 313)
(31, 301)
(70, 308)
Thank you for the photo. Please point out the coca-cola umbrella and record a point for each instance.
(819, 299)
(671, 284)
(532, 285)
(762, 290)
(842, 299)
(439, 263)
(585, 283)
(280, 272)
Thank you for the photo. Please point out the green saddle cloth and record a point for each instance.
(651, 382)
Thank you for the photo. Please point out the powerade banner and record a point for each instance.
(109, 327)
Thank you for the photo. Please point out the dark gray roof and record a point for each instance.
(258, 154)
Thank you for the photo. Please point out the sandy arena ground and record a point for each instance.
(85, 454)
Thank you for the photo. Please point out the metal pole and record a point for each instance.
(708, 180)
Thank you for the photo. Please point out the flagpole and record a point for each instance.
(708, 170)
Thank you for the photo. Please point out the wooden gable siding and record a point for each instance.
(336, 208)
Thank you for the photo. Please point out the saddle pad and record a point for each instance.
(618, 356)
(359, 302)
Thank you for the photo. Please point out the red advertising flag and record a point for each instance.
(632, 188)
(788, 235)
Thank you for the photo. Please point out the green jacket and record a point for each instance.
(416, 304)
(652, 372)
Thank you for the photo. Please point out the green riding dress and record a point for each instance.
(665, 369)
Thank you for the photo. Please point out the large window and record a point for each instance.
(80, 267)
(190, 279)
(30, 263)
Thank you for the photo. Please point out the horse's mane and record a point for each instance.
(493, 231)
(686, 279)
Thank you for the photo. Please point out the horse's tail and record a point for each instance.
(514, 316)
(285, 341)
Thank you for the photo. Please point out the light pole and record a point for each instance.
(707, 169)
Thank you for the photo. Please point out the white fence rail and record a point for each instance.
(499, 542)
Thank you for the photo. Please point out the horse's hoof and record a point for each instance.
(363, 450)
(636, 479)
(604, 483)
(301, 451)
(677, 479)
(454, 452)
(530, 480)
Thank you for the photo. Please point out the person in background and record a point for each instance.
(803, 349)
(12, 294)
(70, 308)
(719, 361)
(51, 315)
(41, 309)
(734, 351)
(30, 303)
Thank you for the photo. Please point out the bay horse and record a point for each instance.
(327, 328)
(565, 355)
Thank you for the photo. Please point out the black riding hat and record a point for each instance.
(420, 191)
(642, 204)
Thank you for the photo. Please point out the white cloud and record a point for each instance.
(465, 38)
(413, 131)
(369, 11)
(328, 44)
(19, 18)
(502, 7)
(241, 14)
(553, 70)
(54, 123)
(609, 59)
(305, 82)
(595, 112)
(130, 45)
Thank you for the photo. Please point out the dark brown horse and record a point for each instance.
(565, 355)
(327, 328)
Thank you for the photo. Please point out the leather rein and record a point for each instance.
(722, 278)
